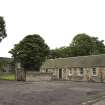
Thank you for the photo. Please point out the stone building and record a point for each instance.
(6, 64)
(81, 68)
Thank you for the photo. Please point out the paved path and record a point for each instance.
(48, 93)
(102, 102)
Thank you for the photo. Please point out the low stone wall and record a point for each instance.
(37, 76)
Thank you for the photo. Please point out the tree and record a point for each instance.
(31, 52)
(84, 44)
(2, 29)
(98, 46)
(81, 45)
(61, 52)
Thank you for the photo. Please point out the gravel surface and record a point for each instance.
(102, 102)
(49, 92)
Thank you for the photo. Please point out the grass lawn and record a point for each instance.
(7, 76)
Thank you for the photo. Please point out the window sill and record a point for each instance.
(94, 75)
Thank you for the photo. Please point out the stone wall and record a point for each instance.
(37, 76)
(88, 75)
(76, 76)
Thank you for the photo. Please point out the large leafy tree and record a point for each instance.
(84, 44)
(81, 45)
(98, 46)
(31, 52)
(2, 29)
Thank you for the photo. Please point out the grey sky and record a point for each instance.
(57, 21)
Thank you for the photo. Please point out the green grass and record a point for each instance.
(7, 77)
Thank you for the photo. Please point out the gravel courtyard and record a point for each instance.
(49, 92)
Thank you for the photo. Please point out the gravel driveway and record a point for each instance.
(49, 92)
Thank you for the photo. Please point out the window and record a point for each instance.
(54, 71)
(64, 70)
(46, 70)
(94, 71)
(70, 71)
(81, 71)
(75, 69)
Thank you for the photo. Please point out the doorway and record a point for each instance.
(60, 74)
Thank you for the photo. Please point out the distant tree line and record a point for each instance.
(81, 45)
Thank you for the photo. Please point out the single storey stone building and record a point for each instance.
(81, 68)
(6, 64)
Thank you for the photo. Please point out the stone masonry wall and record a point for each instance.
(37, 76)
(76, 76)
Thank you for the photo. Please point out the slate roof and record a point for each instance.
(80, 61)
(5, 59)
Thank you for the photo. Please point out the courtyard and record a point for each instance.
(50, 92)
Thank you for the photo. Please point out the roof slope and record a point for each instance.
(5, 59)
(80, 61)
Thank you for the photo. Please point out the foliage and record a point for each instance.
(7, 76)
(31, 52)
(98, 46)
(81, 45)
(59, 52)
(2, 29)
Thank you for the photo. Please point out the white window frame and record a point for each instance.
(54, 72)
(70, 71)
(81, 68)
(94, 68)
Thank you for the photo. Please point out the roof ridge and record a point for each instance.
(78, 56)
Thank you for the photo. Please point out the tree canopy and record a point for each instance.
(2, 29)
(31, 52)
(81, 45)
(61, 52)
(84, 44)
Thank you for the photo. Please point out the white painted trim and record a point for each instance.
(94, 74)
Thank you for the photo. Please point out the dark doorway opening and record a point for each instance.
(60, 74)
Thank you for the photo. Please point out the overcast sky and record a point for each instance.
(57, 21)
